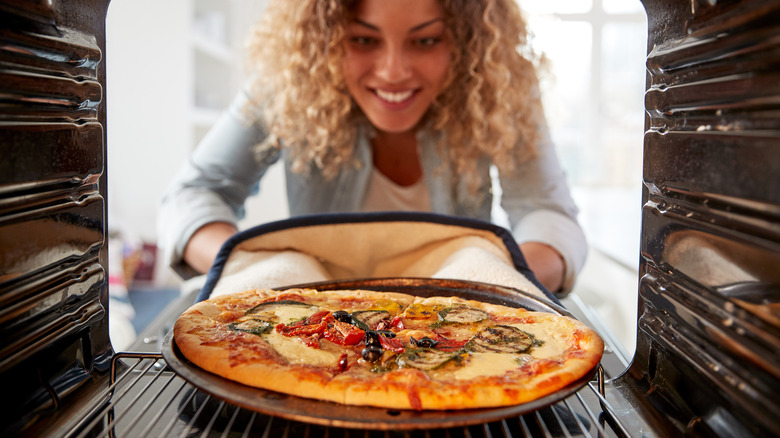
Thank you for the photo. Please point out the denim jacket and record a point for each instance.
(226, 168)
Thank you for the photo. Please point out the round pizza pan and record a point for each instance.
(366, 417)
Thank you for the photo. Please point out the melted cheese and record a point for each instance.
(298, 353)
(290, 313)
(485, 365)
(554, 341)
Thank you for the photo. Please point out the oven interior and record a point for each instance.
(708, 320)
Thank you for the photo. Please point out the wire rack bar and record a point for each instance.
(146, 398)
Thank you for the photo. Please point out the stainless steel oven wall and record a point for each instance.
(53, 281)
(708, 321)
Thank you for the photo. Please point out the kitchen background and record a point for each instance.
(173, 66)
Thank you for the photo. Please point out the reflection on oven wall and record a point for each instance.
(179, 73)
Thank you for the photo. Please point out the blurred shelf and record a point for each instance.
(216, 33)
(220, 52)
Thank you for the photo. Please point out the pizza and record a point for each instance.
(386, 349)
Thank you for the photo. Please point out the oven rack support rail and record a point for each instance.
(146, 398)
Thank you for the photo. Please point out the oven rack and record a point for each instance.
(146, 398)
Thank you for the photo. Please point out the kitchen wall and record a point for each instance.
(172, 67)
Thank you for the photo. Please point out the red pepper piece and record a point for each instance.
(392, 344)
(342, 364)
(445, 344)
(397, 322)
(312, 341)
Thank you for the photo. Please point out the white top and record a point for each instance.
(383, 194)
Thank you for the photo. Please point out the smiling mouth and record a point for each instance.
(394, 96)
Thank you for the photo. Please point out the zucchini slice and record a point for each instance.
(272, 306)
(427, 359)
(369, 319)
(502, 339)
(252, 325)
(462, 315)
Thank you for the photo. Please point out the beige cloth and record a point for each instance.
(370, 250)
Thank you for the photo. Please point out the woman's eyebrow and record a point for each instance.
(426, 24)
(366, 24)
(413, 29)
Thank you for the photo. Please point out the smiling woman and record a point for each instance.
(395, 65)
(376, 105)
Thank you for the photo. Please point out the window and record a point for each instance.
(594, 103)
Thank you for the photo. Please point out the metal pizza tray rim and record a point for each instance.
(367, 417)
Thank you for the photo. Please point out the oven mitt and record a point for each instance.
(369, 245)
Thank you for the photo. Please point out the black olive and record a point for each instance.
(342, 316)
(372, 339)
(425, 342)
(371, 354)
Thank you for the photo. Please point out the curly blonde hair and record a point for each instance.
(490, 105)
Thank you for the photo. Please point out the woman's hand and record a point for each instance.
(546, 263)
(204, 245)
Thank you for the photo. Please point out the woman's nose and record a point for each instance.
(393, 64)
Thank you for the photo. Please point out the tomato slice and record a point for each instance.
(314, 324)
(317, 317)
(343, 333)
(301, 330)
(323, 324)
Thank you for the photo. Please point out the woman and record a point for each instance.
(385, 105)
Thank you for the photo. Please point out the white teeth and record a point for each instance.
(394, 97)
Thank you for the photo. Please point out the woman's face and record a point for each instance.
(397, 58)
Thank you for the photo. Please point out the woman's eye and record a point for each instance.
(362, 40)
(427, 42)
